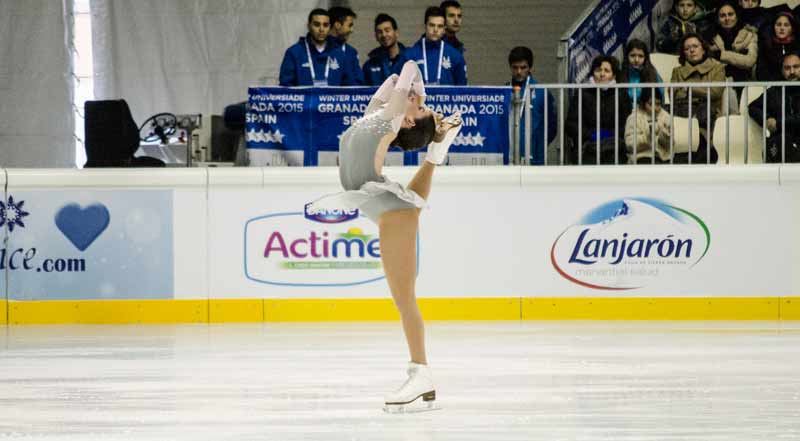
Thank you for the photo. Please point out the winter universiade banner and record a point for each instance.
(301, 126)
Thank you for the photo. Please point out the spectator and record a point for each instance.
(686, 17)
(697, 66)
(754, 15)
(779, 40)
(642, 131)
(605, 70)
(440, 63)
(452, 17)
(637, 68)
(387, 58)
(777, 125)
(733, 43)
(342, 22)
(315, 61)
(520, 60)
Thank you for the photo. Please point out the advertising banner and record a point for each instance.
(506, 241)
(88, 244)
(302, 126)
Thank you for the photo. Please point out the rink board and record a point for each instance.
(497, 243)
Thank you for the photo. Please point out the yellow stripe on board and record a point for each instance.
(325, 310)
(790, 308)
(235, 310)
(329, 310)
(107, 311)
(654, 308)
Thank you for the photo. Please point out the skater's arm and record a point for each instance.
(410, 79)
(382, 95)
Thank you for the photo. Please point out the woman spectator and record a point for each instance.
(733, 43)
(697, 67)
(637, 68)
(605, 71)
(779, 40)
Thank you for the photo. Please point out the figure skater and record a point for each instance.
(396, 115)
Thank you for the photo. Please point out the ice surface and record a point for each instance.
(495, 381)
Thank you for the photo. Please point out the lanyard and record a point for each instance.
(425, 61)
(525, 93)
(311, 65)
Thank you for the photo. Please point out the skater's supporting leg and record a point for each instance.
(398, 238)
(421, 183)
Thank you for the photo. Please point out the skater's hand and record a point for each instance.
(419, 100)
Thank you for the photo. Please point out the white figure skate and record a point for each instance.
(437, 151)
(417, 394)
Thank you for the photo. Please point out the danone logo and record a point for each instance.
(323, 248)
(330, 216)
(629, 243)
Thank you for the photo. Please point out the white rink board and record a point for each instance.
(501, 245)
(489, 232)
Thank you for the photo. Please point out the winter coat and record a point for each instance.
(379, 67)
(454, 68)
(772, 51)
(295, 70)
(792, 121)
(351, 59)
(537, 103)
(638, 135)
(708, 71)
(455, 42)
(588, 119)
(674, 28)
(741, 55)
(770, 58)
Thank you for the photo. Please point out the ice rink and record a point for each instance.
(495, 381)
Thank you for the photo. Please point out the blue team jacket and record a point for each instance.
(295, 70)
(351, 57)
(378, 68)
(537, 122)
(454, 68)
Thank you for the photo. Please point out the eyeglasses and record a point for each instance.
(689, 47)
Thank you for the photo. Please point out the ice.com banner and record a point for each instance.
(88, 244)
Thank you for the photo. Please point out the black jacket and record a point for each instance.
(588, 121)
(674, 28)
(771, 52)
(792, 121)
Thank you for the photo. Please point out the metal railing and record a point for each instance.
(749, 148)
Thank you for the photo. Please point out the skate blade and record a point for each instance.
(416, 406)
(410, 408)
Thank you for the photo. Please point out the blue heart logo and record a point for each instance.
(82, 225)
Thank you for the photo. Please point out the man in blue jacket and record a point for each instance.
(386, 59)
(520, 60)
(314, 60)
(342, 22)
(439, 62)
(452, 23)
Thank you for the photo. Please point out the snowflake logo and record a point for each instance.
(11, 214)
